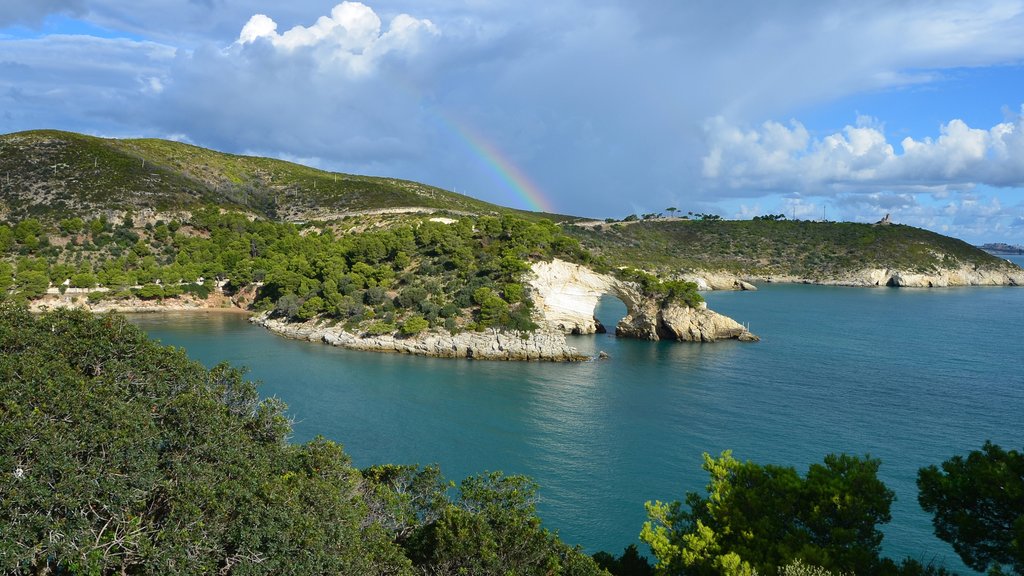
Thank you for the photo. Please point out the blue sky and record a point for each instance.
(599, 107)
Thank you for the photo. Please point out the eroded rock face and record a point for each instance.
(566, 295)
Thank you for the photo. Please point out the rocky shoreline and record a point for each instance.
(491, 344)
(565, 295)
(869, 277)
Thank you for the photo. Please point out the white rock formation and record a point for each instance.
(487, 345)
(565, 296)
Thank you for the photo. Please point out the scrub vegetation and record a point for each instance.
(777, 247)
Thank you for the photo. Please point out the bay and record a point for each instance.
(909, 376)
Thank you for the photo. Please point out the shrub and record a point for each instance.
(150, 292)
(414, 325)
(380, 328)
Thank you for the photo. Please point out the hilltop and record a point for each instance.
(52, 174)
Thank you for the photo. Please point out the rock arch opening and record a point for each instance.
(610, 310)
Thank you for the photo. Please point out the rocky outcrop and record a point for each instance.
(961, 276)
(542, 345)
(682, 323)
(717, 281)
(565, 296)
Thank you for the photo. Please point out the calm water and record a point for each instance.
(909, 376)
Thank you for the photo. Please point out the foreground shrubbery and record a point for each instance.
(122, 456)
(119, 455)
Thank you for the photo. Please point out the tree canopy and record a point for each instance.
(978, 506)
(122, 456)
(768, 519)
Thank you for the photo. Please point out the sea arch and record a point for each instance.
(566, 295)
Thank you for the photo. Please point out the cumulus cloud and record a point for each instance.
(774, 156)
(351, 36)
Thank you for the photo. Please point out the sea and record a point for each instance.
(909, 376)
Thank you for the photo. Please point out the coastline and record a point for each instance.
(491, 344)
(966, 276)
(545, 345)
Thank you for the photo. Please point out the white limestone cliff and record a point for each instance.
(565, 296)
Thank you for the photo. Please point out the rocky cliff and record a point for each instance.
(566, 295)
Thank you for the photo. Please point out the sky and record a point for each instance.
(845, 110)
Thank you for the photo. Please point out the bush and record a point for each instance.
(310, 308)
(380, 328)
(99, 418)
(150, 292)
(84, 280)
(287, 305)
(414, 325)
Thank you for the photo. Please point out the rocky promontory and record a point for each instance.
(564, 296)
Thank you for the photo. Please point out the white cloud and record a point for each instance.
(350, 36)
(601, 102)
(777, 157)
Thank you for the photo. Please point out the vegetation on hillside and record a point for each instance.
(122, 456)
(459, 275)
(776, 247)
(52, 175)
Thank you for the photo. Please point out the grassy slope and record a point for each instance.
(815, 250)
(94, 174)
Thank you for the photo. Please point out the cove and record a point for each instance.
(909, 376)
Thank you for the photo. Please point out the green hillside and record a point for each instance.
(52, 175)
(815, 250)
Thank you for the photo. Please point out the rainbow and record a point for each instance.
(500, 164)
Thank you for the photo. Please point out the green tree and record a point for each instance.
(978, 506)
(414, 325)
(145, 462)
(83, 280)
(72, 225)
(310, 308)
(493, 529)
(758, 518)
(31, 283)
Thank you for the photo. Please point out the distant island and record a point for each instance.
(393, 265)
(1002, 248)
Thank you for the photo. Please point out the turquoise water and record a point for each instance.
(909, 376)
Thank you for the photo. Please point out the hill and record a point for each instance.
(52, 175)
(827, 252)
